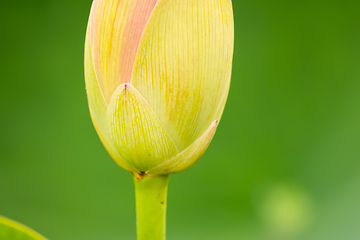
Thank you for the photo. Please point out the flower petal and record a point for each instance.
(183, 66)
(135, 131)
(187, 157)
(96, 100)
(98, 107)
(113, 154)
(116, 30)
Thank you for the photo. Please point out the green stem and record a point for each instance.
(151, 207)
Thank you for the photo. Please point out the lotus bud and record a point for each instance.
(157, 78)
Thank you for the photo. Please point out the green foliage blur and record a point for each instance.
(284, 164)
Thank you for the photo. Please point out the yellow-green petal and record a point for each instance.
(116, 29)
(98, 107)
(135, 131)
(187, 157)
(109, 148)
(183, 65)
(11, 230)
(96, 100)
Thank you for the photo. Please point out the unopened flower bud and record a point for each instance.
(157, 78)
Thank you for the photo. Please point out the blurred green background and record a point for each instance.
(284, 164)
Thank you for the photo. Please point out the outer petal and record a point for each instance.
(116, 30)
(183, 65)
(187, 157)
(96, 100)
(109, 148)
(11, 230)
(135, 131)
(98, 107)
